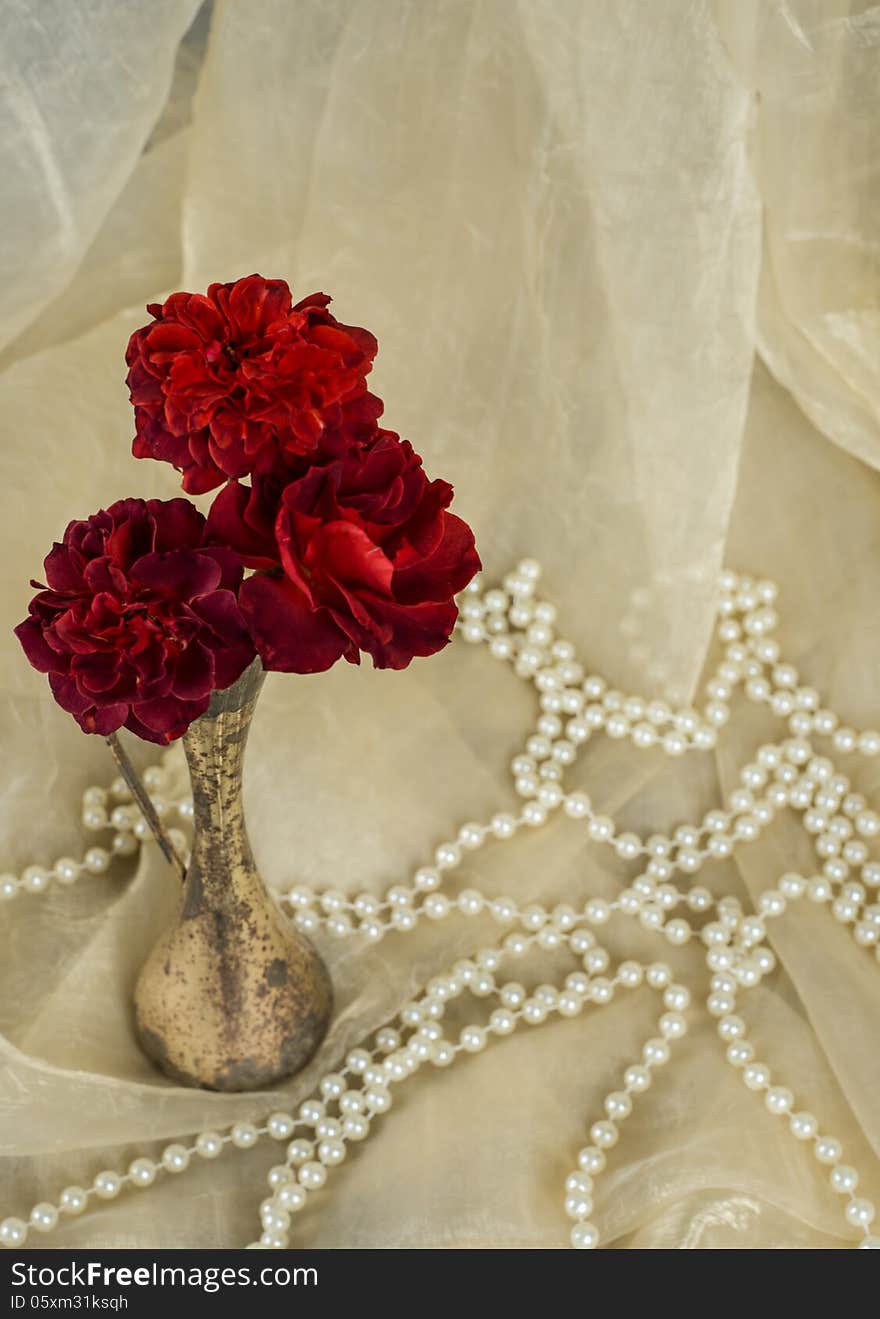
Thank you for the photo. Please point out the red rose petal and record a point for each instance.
(178, 523)
(289, 636)
(414, 630)
(441, 574)
(62, 573)
(33, 642)
(194, 674)
(228, 524)
(183, 574)
(169, 715)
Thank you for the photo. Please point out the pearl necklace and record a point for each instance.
(518, 628)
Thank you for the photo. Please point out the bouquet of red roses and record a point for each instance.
(326, 537)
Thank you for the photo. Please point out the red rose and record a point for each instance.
(224, 385)
(139, 622)
(362, 553)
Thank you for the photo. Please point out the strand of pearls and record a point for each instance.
(786, 775)
(638, 1077)
(108, 810)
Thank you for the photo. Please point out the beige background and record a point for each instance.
(622, 260)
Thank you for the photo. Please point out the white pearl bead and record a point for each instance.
(503, 825)
(312, 1176)
(577, 805)
(44, 1217)
(13, 1232)
(570, 1005)
(512, 995)
(73, 1200)
(447, 856)
(244, 1135)
(869, 743)
(355, 1126)
(597, 911)
(844, 1179)
(107, 1185)
(331, 1152)
(97, 860)
(859, 1213)
(677, 998)
(35, 879)
(677, 932)
(656, 1053)
(601, 829)
(618, 1105)
(627, 846)
(673, 1025)
(534, 1012)
(637, 1078)
(142, 1172)
(604, 1134)
(209, 1144)
(378, 1099)
(630, 974)
(436, 906)
(578, 1206)
(502, 1022)
(503, 910)
(66, 870)
(175, 1158)
(778, 1100)
(280, 1126)
(828, 1150)
(757, 1076)
(473, 1039)
(471, 836)
(591, 1159)
(291, 1197)
(803, 1126)
(300, 1151)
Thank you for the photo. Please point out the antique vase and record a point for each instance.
(232, 997)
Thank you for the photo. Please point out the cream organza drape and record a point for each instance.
(622, 260)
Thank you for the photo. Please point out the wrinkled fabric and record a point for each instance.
(621, 261)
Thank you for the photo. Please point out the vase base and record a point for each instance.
(258, 1039)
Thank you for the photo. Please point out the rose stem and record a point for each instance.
(139, 792)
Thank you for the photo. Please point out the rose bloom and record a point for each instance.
(224, 385)
(358, 553)
(139, 622)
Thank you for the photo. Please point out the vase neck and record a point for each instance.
(214, 746)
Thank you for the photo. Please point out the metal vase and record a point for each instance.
(232, 997)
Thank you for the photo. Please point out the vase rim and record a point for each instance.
(245, 688)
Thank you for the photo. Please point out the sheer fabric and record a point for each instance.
(622, 263)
